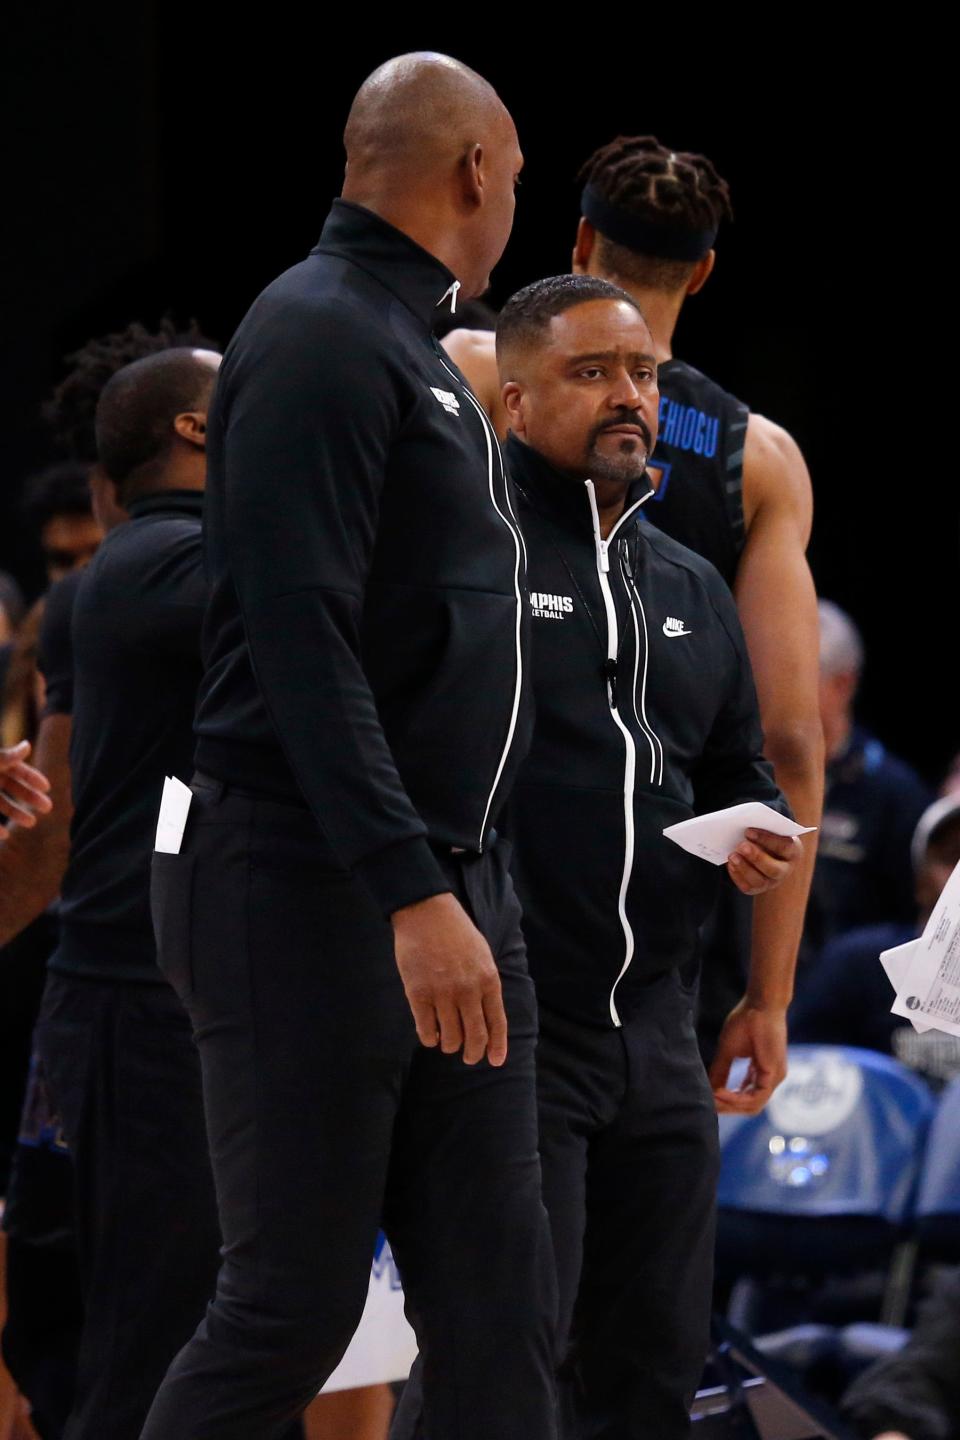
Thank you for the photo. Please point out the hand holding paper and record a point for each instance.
(714, 837)
(756, 843)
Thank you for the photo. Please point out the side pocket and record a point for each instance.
(171, 903)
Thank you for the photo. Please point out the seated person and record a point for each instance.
(871, 804)
(915, 1394)
(843, 997)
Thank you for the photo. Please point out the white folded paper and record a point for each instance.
(927, 979)
(896, 963)
(174, 804)
(714, 837)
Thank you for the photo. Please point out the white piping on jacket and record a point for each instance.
(653, 739)
(630, 762)
(493, 443)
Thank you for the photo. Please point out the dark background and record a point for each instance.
(165, 162)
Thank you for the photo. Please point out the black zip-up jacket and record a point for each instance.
(646, 714)
(363, 647)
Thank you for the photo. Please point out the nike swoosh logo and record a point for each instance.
(672, 634)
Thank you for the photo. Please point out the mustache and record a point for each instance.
(625, 417)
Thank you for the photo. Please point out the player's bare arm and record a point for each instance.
(474, 353)
(778, 609)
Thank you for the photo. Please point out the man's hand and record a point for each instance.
(892, 1435)
(762, 861)
(451, 981)
(758, 1034)
(23, 790)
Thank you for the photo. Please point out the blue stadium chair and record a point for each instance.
(823, 1182)
(938, 1196)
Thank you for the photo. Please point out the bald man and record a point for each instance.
(337, 914)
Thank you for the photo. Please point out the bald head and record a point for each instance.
(421, 112)
(432, 149)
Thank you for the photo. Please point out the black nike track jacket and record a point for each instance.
(363, 647)
(646, 714)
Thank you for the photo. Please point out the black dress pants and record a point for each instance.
(325, 1117)
(124, 1075)
(629, 1150)
(628, 1147)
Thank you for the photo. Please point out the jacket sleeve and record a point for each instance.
(310, 415)
(917, 1390)
(732, 768)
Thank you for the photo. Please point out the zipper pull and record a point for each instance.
(609, 672)
(603, 552)
(450, 295)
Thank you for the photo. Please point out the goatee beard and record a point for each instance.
(623, 468)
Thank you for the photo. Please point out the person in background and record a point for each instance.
(844, 996)
(11, 614)
(41, 1340)
(32, 862)
(57, 511)
(47, 1299)
(26, 807)
(117, 1048)
(872, 803)
(70, 413)
(915, 1394)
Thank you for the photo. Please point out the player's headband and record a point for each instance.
(666, 242)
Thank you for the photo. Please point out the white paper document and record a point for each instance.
(174, 804)
(928, 986)
(896, 963)
(714, 837)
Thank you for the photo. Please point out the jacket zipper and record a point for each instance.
(493, 444)
(630, 749)
(640, 687)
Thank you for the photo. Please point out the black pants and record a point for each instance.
(125, 1077)
(326, 1116)
(628, 1146)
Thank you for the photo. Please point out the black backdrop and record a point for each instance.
(167, 161)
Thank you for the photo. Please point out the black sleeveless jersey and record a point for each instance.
(699, 499)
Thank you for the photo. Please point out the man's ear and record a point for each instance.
(192, 427)
(701, 272)
(512, 396)
(473, 173)
(583, 247)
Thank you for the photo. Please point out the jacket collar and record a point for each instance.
(168, 502)
(415, 276)
(563, 498)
